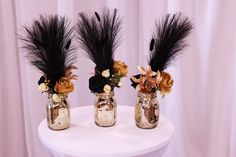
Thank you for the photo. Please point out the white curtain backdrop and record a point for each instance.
(202, 105)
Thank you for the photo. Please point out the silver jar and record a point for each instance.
(105, 109)
(58, 114)
(147, 111)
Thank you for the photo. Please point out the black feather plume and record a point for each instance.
(170, 35)
(68, 45)
(97, 16)
(152, 44)
(48, 45)
(98, 37)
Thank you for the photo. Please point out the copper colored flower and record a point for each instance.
(120, 68)
(148, 81)
(63, 86)
(166, 83)
(150, 84)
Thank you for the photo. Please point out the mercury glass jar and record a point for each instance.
(147, 111)
(58, 114)
(105, 109)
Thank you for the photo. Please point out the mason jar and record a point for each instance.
(105, 109)
(58, 114)
(147, 110)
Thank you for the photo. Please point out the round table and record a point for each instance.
(85, 139)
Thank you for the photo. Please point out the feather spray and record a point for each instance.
(48, 44)
(168, 41)
(99, 37)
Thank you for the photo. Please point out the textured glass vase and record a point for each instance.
(105, 109)
(147, 111)
(58, 114)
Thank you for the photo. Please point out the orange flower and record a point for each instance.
(120, 68)
(150, 84)
(166, 83)
(63, 86)
(148, 81)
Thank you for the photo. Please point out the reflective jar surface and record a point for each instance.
(105, 109)
(147, 111)
(58, 114)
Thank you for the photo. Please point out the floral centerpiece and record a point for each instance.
(166, 44)
(98, 36)
(48, 44)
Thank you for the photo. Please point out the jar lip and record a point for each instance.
(63, 98)
(112, 93)
(141, 94)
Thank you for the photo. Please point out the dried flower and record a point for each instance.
(147, 72)
(120, 68)
(96, 83)
(120, 84)
(148, 81)
(138, 88)
(158, 77)
(56, 98)
(43, 87)
(64, 85)
(166, 83)
(107, 88)
(106, 73)
(150, 85)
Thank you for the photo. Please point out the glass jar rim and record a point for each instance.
(149, 95)
(112, 93)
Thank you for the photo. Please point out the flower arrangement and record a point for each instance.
(98, 36)
(48, 43)
(108, 79)
(62, 87)
(150, 81)
(166, 44)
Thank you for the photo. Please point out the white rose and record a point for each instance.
(120, 84)
(56, 98)
(106, 73)
(43, 87)
(107, 88)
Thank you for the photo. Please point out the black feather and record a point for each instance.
(47, 42)
(99, 39)
(68, 45)
(97, 16)
(41, 80)
(170, 35)
(134, 84)
(152, 44)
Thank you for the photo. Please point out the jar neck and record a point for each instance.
(105, 95)
(62, 98)
(147, 95)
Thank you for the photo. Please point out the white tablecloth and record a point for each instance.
(85, 139)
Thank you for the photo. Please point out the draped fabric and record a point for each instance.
(202, 105)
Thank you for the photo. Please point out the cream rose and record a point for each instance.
(107, 88)
(43, 87)
(106, 73)
(120, 84)
(56, 98)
